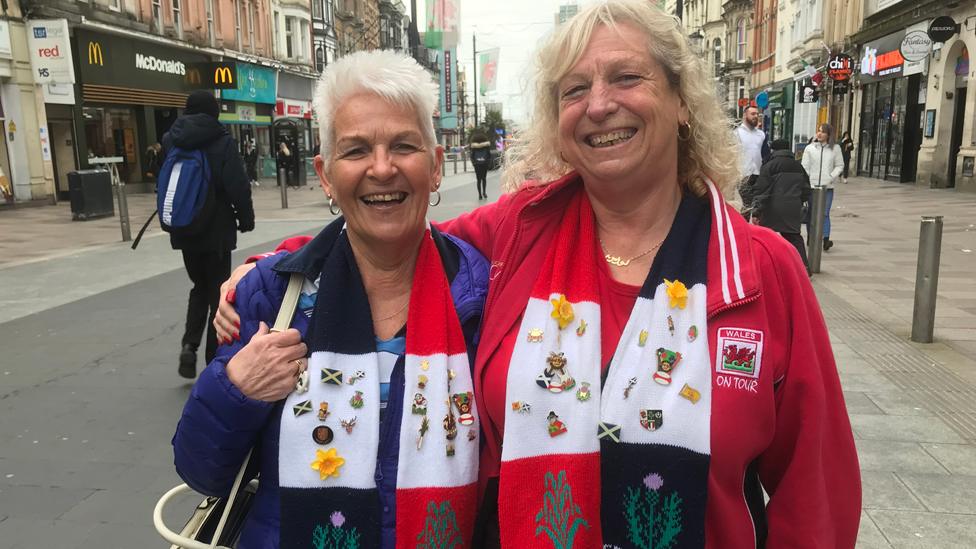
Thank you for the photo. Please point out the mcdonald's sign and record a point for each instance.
(95, 56)
(193, 76)
(222, 75)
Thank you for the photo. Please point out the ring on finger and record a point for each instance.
(300, 363)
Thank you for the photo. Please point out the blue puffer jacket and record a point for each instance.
(219, 424)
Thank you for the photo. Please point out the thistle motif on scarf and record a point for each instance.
(332, 535)
(650, 527)
(559, 517)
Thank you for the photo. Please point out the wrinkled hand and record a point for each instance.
(267, 367)
(226, 321)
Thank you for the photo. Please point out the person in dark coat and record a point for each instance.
(481, 160)
(206, 255)
(778, 196)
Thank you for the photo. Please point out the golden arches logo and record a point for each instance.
(222, 75)
(95, 54)
(193, 76)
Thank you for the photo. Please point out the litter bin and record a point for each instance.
(91, 194)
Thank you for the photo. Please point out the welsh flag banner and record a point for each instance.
(487, 70)
(443, 24)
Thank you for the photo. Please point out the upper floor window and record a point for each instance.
(289, 38)
(740, 40)
(157, 16)
(329, 11)
(177, 19)
(115, 5)
(717, 48)
(317, 9)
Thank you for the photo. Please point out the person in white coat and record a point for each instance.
(824, 162)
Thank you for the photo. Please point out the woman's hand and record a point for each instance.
(226, 321)
(268, 366)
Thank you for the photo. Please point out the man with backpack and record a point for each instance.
(481, 160)
(204, 198)
(778, 196)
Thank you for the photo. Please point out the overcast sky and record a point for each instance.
(516, 27)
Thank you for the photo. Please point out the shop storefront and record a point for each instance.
(892, 101)
(131, 92)
(293, 123)
(247, 111)
(781, 112)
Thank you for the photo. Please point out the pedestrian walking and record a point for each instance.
(780, 192)
(481, 160)
(824, 163)
(846, 148)
(251, 161)
(285, 159)
(206, 253)
(154, 160)
(751, 140)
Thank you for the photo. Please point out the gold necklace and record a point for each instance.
(384, 319)
(621, 262)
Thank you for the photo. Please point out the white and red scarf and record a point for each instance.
(329, 435)
(621, 462)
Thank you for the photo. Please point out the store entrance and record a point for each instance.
(958, 117)
(63, 153)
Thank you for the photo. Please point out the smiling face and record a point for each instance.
(618, 114)
(380, 173)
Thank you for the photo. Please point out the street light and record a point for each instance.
(696, 41)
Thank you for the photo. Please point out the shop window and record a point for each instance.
(112, 131)
(211, 35)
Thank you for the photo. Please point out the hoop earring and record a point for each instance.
(438, 193)
(687, 133)
(334, 208)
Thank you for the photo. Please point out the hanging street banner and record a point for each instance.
(50, 51)
(443, 24)
(487, 70)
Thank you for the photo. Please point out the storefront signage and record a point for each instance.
(5, 51)
(289, 108)
(50, 51)
(808, 93)
(448, 100)
(942, 28)
(255, 84)
(916, 46)
(220, 75)
(243, 113)
(110, 60)
(840, 67)
(881, 59)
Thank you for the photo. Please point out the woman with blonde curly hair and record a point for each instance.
(651, 367)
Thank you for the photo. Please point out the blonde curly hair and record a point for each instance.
(711, 148)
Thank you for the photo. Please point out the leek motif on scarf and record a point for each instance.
(621, 462)
(328, 492)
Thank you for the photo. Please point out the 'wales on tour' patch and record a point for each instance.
(739, 352)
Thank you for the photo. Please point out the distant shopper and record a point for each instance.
(779, 194)
(846, 148)
(206, 254)
(824, 163)
(481, 160)
(251, 161)
(751, 140)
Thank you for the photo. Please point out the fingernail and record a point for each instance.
(231, 294)
(237, 325)
(237, 336)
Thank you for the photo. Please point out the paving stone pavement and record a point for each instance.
(89, 397)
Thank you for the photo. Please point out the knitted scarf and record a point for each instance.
(622, 463)
(329, 435)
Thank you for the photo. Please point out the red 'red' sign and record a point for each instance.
(840, 67)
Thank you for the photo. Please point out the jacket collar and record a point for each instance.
(309, 259)
(732, 273)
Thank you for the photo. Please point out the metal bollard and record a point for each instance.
(455, 164)
(927, 278)
(283, 185)
(818, 205)
(123, 212)
(464, 161)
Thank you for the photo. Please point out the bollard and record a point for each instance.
(927, 278)
(444, 167)
(123, 204)
(818, 204)
(455, 164)
(283, 184)
(464, 161)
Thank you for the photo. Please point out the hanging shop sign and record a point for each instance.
(808, 93)
(290, 108)
(218, 75)
(841, 88)
(762, 100)
(255, 84)
(50, 51)
(942, 28)
(916, 46)
(840, 67)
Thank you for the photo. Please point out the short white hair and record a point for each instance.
(392, 76)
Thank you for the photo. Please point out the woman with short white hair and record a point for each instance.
(361, 416)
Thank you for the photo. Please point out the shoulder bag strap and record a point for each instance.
(285, 314)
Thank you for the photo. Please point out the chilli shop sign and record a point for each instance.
(840, 67)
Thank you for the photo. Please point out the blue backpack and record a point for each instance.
(184, 196)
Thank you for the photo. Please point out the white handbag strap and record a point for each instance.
(285, 314)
